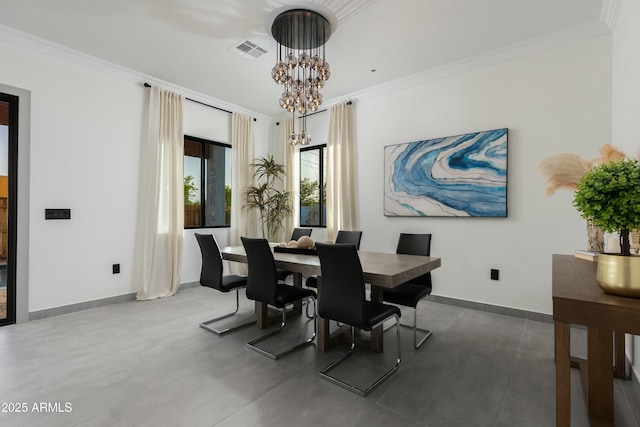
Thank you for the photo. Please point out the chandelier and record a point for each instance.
(300, 65)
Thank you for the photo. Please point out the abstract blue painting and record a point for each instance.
(463, 175)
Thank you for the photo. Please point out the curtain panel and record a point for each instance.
(243, 221)
(341, 196)
(161, 198)
(290, 178)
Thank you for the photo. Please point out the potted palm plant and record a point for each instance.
(609, 196)
(273, 204)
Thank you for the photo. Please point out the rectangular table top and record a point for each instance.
(380, 269)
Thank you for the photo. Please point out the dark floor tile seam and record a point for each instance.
(377, 403)
(256, 399)
(510, 371)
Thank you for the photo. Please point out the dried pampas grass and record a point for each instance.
(608, 153)
(563, 170)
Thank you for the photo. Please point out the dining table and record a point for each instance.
(380, 270)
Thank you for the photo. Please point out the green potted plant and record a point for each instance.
(273, 205)
(609, 196)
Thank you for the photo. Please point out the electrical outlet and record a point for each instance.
(116, 268)
(495, 274)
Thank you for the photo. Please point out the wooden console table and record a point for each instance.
(578, 299)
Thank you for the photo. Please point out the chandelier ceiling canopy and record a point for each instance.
(300, 66)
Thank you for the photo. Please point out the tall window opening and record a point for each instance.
(207, 183)
(313, 199)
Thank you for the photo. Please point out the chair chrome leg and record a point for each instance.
(324, 373)
(426, 332)
(252, 344)
(207, 325)
(310, 316)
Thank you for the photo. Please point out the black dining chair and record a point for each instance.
(342, 298)
(344, 236)
(409, 294)
(297, 233)
(211, 276)
(263, 286)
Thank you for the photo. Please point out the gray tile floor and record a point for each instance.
(149, 364)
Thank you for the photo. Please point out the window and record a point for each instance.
(207, 183)
(313, 198)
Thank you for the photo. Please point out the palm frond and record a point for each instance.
(273, 205)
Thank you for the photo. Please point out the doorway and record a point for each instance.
(8, 193)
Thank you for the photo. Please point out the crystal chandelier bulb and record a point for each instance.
(291, 61)
(324, 71)
(309, 83)
(304, 138)
(315, 62)
(303, 60)
(276, 75)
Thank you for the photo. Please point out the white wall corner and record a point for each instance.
(609, 12)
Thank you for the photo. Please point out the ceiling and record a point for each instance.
(191, 43)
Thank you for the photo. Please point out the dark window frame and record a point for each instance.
(203, 178)
(13, 102)
(321, 179)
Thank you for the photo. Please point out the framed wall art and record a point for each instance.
(460, 176)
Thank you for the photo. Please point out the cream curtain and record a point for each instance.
(341, 201)
(243, 222)
(161, 201)
(290, 179)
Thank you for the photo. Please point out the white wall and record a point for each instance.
(626, 105)
(85, 133)
(85, 141)
(556, 101)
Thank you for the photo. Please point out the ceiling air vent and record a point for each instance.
(249, 50)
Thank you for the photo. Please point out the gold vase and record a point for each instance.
(619, 275)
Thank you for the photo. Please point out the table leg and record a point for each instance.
(297, 306)
(599, 362)
(266, 317)
(563, 374)
(322, 333)
(262, 315)
(620, 367)
(377, 338)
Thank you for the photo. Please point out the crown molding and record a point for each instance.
(32, 43)
(593, 29)
(609, 12)
(505, 54)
